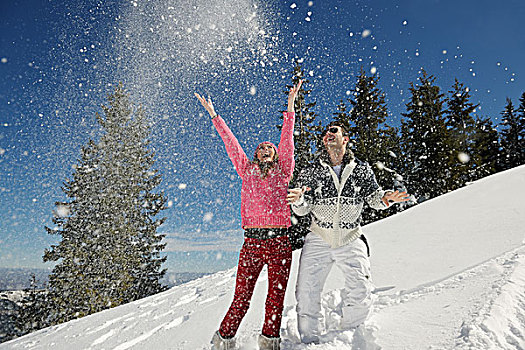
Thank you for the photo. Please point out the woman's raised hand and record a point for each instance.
(293, 94)
(208, 105)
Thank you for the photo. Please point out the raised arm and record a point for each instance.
(292, 95)
(286, 144)
(234, 149)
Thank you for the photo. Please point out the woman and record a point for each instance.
(265, 219)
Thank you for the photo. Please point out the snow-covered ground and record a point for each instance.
(457, 263)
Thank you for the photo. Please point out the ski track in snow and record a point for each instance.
(477, 320)
(106, 325)
(103, 338)
(209, 300)
(187, 299)
(177, 322)
(501, 322)
(137, 340)
(220, 283)
(143, 337)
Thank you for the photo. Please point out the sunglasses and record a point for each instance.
(332, 129)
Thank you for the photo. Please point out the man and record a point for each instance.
(333, 190)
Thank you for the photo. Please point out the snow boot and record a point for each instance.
(220, 343)
(266, 343)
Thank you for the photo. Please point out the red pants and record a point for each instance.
(255, 253)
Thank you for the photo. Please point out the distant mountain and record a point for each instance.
(20, 278)
(172, 279)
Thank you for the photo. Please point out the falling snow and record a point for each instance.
(366, 33)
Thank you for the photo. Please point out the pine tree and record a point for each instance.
(521, 126)
(343, 117)
(460, 126)
(369, 133)
(109, 253)
(33, 313)
(484, 149)
(373, 140)
(368, 112)
(424, 140)
(9, 316)
(392, 160)
(512, 136)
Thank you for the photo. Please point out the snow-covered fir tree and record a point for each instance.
(33, 313)
(110, 252)
(372, 139)
(460, 127)
(371, 136)
(512, 151)
(341, 115)
(368, 113)
(424, 140)
(485, 150)
(521, 126)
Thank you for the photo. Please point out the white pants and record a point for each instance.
(317, 259)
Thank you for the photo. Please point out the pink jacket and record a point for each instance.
(263, 200)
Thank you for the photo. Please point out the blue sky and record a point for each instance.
(59, 59)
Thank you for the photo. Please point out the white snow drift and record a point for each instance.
(457, 263)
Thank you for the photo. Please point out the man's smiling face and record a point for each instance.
(333, 137)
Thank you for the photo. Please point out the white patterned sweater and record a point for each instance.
(336, 203)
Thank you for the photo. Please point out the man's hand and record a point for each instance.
(295, 193)
(208, 105)
(395, 197)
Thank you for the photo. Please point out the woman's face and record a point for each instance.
(265, 153)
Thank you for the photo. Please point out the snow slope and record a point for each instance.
(457, 263)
